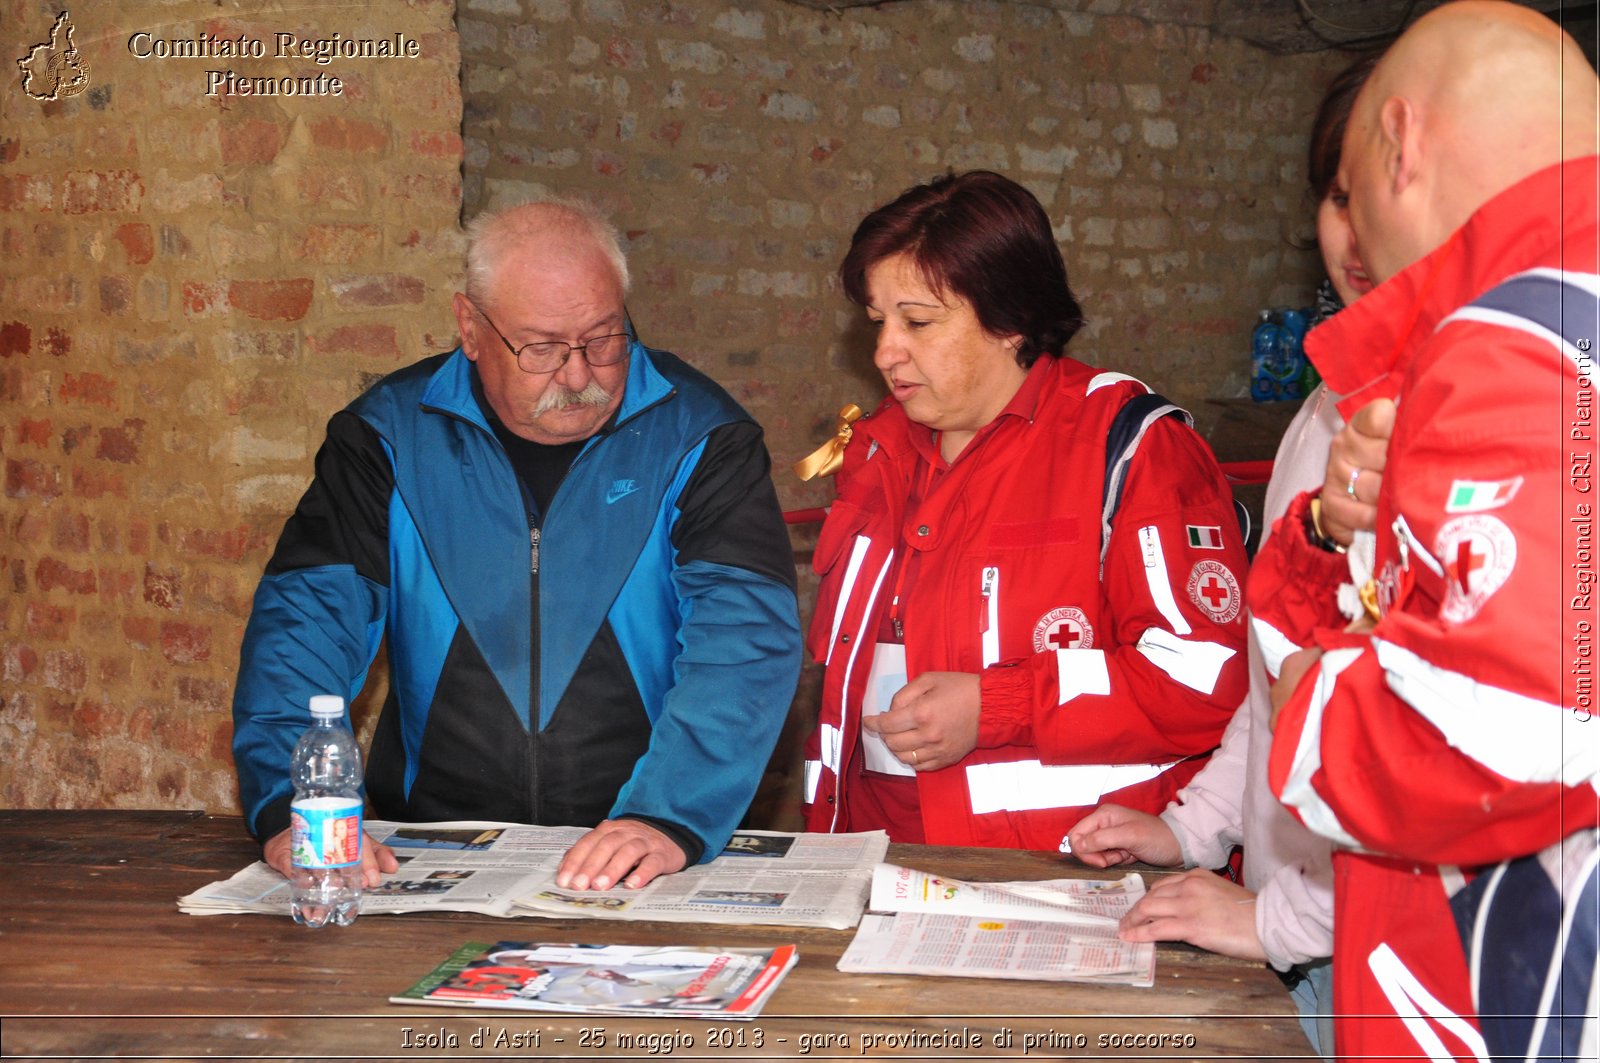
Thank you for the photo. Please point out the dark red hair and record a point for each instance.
(1333, 114)
(986, 239)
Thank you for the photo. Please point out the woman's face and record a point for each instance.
(943, 368)
(1337, 241)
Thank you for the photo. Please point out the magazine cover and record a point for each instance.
(606, 979)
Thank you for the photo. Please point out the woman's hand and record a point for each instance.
(1200, 907)
(932, 721)
(1112, 835)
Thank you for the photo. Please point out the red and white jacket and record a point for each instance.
(1095, 685)
(1459, 732)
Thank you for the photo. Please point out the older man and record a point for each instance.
(572, 547)
(1438, 734)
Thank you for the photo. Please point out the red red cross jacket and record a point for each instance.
(1094, 686)
(1459, 732)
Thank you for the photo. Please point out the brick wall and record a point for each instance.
(191, 284)
(739, 143)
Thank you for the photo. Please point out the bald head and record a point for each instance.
(1474, 97)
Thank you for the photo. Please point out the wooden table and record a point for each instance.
(97, 961)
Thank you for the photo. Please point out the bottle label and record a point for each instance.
(325, 832)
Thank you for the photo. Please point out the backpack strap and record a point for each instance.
(1122, 440)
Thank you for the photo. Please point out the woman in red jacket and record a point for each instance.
(1029, 604)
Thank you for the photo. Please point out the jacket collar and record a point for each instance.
(1364, 350)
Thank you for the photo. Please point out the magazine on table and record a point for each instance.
(683, 981)
(1062, 930)
(508, 869)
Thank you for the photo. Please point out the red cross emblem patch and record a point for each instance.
(1214, 590)
(1063, 629)
(1478, 554)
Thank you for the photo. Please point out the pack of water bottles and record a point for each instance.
(1279, 369)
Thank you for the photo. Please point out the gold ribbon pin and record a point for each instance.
(826, 459)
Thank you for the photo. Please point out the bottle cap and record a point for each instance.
(325, 706)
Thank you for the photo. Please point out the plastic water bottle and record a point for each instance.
(325, 819)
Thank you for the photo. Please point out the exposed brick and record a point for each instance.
(340, 244)
(140, 632)
(338, 133)
(57, 342)
(49, 621)
(229, 545)
(374, 340)
(272, 300)
(120, 443)
(98, 719)
(204, 298)
(34, 433)
(88, 389)
(199, 694)
(138, 242)
(53, 574)
(250, 141)
(185, 643)
(162, 586)
(18, 662)
(70, 531)
(65, 670)
(27, 478)
(15, 338)
(386, 289)
(90, 483)
(92, 191)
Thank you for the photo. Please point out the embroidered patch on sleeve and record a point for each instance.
(1066, 628)
(1478, 554)
(1475, 496)
(1214, 590)
(1204, 536)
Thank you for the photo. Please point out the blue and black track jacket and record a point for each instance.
(658, 590)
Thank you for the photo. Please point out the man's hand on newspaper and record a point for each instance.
(1112, 835)
(628, 851)
(932, 721)
(1200, 907)
(1355, 471)
(376, 860)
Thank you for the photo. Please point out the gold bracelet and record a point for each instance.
(1318, 536)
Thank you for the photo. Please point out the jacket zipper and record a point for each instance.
(991, 615)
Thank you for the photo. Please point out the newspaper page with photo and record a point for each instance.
(1062, 930)
(507, 869)
(760, 877)
(681, 981)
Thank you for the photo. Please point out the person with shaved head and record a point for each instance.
(1438, 732)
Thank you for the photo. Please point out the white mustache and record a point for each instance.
(556, 397)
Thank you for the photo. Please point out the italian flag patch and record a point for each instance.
(1475, 496)
(1205, 536)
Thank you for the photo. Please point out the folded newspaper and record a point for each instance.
(507, 869)
(681, 981)
(1061, 930)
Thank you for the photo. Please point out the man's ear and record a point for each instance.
(1400, 133)
(466, 323)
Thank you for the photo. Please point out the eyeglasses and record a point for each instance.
(550, 355)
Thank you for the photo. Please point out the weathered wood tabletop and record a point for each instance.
(96, 961)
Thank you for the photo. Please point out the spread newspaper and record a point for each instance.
(1061, 930)
(507, 869)
(684, 981)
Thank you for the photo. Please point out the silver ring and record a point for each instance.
(1350, 488)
